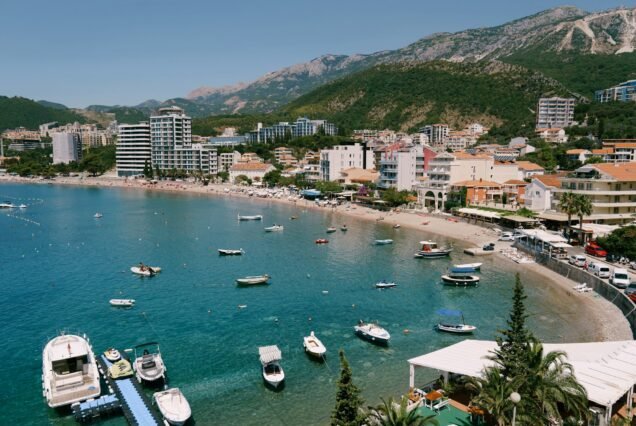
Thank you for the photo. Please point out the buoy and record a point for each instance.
(309, 318)
(407, 331)
(325, 292)
(353, 306)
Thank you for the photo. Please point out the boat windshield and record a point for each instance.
(70, 365)
(272, 369)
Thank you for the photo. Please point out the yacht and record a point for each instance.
(149, 366)
(69, 371)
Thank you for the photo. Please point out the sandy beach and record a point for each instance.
(605, 319)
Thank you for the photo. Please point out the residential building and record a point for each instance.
(311, 172)
(340, 157)
(539, 192)
(624, 150)
(623, 92)
(476, 129)
(134, 149)
(581, 155)
(303, 126)
(436, 134)
(528, 170)
(355, 175)
(26, 145)
(605, 154)
(552, 134)
(479, 191)
(250, 157)
(254, 171)
(67, 148)
(311, 157)
(514, 191)
(555, 112)
(285, 156)
(230, 141)
(228, 159)
(458, 140)
(22, 139)
(399, 166)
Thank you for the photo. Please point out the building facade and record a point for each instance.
(400, 166)
(303, 126)
(623, 92)
(228, 159)
(67, 148)
(133, 149)
(340, 157)
(555, 112)
(253, 171)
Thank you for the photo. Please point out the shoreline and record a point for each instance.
(607, 320)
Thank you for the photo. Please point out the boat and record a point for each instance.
(120, 369)
(254, 217)
(313, 346)
(322, 241)
(69, 371)
(385, 284)
(396, 226)
(7, 205)
(331, 230)
(149, 366)
(23, 206)
(372, 332)
(253, 280)
(430, 250)
(112, 354)
(123, 303)
(460, 279)
(149, 272)
(344, 228)
(472, 266)
(98, 215)
(274, 228)
(173, 406)
(383, 242)
(454, 327)
(270, 357)
(231, 252)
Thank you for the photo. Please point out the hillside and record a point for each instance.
(405, 96)
(123, 114)
(22, 112)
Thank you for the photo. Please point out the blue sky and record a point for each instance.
(81, 52)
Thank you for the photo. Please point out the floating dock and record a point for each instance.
(103, 406)
(134, 403)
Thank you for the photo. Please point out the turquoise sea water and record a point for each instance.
(61, 273)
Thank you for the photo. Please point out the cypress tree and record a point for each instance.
(348, 401)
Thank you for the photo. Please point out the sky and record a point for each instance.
(83, 52)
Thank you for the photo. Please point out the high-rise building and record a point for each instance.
(436, 134)
(301, 127)
(623, 92)
(555, 112)
(67, 148)
(133, 149)
(341, 157)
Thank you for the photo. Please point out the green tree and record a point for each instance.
(566, 204)
(272, 178)
(147, 169)
(223, 175)
(392, 414)
(582, 207)
(492, 393)
(328, 187)
(621, 241)
(393, 197)
(348, 400)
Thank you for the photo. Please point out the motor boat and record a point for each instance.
(230, 252)
(270, 357)
(385, 284)
(430, 250)
(254, 217)
(344, 228)
(7, 205)
(122, 303)
(313, 346)
(69, 371)
(274, 228)
(322, 241)
(455, 326)
(98, 215)
(372, 332)
(470, 267)
(383, 242)
(331, 230)
(253, 280)
(396, 226)
(120, 369)
(149, 366)
(148, 271)
(22, 206)
(112, 354)
(173, 406)
(460, 279)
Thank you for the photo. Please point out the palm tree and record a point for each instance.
(492, 393)
(566, 204)
(582, 207)
(391, 414)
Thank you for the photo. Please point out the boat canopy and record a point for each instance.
(430, 243)
(269, 354)
(449, 312)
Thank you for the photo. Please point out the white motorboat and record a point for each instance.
(23, 206)
(149, 366)
(385, 284)
(473, 266)
(98, 215)
(383, 242)
(460, 279)
(454, 326)
(7, 205)
(274, 228)
(253, 280)
(254, 217)
(112, 354)
(270, 357)
(231, 252)
(148, 271)
(69, 371)
(173, 406)
(313, 346)
(430, 250)
(331, 230)
(123, 303)
(372, 332)
(396, 226)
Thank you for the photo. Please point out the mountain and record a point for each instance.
(53, 105)
(123, 114)
(22, 112)
(565, 34)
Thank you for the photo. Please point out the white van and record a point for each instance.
(577, 260)
(620, 278)
(599, 269)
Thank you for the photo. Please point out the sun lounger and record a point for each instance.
(441, 404)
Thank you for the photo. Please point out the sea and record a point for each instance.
(59, 266)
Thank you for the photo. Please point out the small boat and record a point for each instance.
(253, 280)
(254, 217)
(473, 266)
(173, 406)
(22, 206)
(7, 205)
(383, 242)
(454, 327)
(98, 215)
(124, 303)
(344, 228)
(313, 346)
(270, 357)
(322, 241)
(69, 371)
(430, 250)
(460, 279)
(385, 284)
(293, 218)
(149, 365)
(112, 354)
(331, 230)
(120, 369)
(274, 228)
(230, 252)
(396, 226)
(372, 332)
(149, 271)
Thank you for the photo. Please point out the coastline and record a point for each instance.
(607, 321)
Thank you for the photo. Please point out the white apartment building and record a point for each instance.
(539, 192)
(400, 166)
(133, 149)
(67, 148)
(254, 171)
(555, 112)
(228, 159)
(436, 134)
(340, 157)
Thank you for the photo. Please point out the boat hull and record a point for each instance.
(253, 280)
(456, 329)
(432, 254)
(370, 337)
(224, 252)
(137, 271)
(460, 281)
(173, 405)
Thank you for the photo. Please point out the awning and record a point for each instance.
(520, 219)
(560, 245)
(555, 217)
(269, 354)
(477, 212)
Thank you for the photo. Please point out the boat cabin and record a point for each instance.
(69, 359)
(428, 245)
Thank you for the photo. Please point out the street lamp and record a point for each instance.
(515, 398)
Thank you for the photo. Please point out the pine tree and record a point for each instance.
(348, 401)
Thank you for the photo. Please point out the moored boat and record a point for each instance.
(253, 217)
(146, 271)
(460, 279)
(7, 205)
(98, 215)
(112, 354)
(430, 250)
(69, 371)
(385, 284)
(173, 405)
(270, 357)
(322, 241)
(383, 242)
(123, 303)
(120, 369)
(453, 326)
(471, 266)
(253, 280)
(313, 346)
(344, 228)
(274, 228)
(396, 226)
(149, 366)
(372, 332)
(23, 206)
(230, 252)
(331, 230)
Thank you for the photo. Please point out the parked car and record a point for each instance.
(612, 258)
(599, 269)
(595, 250)
(630, 291)
(489, 247)
(507, 236)
(620, 278)
(577, 260)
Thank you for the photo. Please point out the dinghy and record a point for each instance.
(274, 228)
(344, 228)
(385, 284)
(98, 215)
(322, 241)
(273, 373)
(331, 230)
(467, 267)
(313, 346)
(122, 303)
(148, 272)
(112, 354)
(230, 252)
(383, 242)
(253, 280)
(173, 406)
(254, 217)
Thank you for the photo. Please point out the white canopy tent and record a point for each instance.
(604, 369)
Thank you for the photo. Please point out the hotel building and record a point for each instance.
(133, 149)
(624, 92)
(555, 112)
